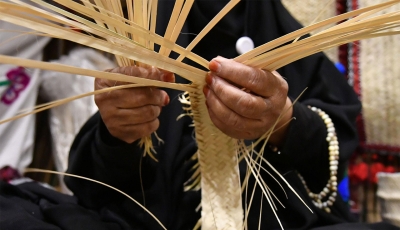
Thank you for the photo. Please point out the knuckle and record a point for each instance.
(284, 86)
(232, 120)
(217, 87)
(150, 127)
(149, 92)
(152, 111)
(99, 83)
(255, 77)
(120, 70)
(246, 105)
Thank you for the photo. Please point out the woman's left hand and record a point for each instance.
(245, 102)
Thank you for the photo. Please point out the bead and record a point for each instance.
(244, 44)
(334, 142)
(333, 147)
(333, 167)
(334, 162)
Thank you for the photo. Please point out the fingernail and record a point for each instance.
(209, 79)
(166, 100)
(206, 90)
(168, 77)
(215, 66)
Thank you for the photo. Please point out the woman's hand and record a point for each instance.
(132, 113)
(245, 102)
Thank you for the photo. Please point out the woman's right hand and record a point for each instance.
(132, 113)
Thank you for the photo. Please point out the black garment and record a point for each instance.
(31, 206)
(98, 155)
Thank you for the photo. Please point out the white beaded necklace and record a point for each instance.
(327, 196)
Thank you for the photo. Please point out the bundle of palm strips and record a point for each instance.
(132, 41)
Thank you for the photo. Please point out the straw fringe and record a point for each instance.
(220, 180)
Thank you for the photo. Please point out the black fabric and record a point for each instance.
(31, 206)
(98, 155)
(305, 150)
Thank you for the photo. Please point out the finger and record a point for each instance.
(258, 81)
(229, 118)
(135, 116)
(131, 133)
(236, 127)
(151, 73)
(133, 97)
(239, 101)
(138, 97)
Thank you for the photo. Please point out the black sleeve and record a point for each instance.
(98, 155)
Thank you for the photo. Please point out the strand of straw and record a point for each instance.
(301, 32)
(142, 55)
(92, 73)
(30, 170)
(208, 27)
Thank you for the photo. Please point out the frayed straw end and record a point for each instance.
(147, 144)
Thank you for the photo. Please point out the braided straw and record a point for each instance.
(220, 181)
